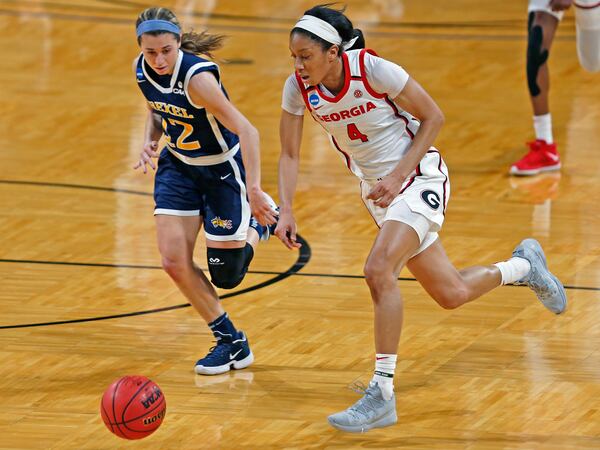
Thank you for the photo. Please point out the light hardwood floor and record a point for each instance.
(77, 241)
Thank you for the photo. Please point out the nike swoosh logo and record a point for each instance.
(140, 81)
(383, 357)
(553, 157)
(318, 107)
(235, 354)
(222, 178)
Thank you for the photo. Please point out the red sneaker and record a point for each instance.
(542, 157)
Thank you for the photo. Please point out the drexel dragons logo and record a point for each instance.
(222, 223)
(431, 198)
(313, 99)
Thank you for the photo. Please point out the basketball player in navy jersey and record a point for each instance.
(383, 124)
(208, 174)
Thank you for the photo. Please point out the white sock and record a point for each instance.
(543, 127)
(514, 269)
(385, 365)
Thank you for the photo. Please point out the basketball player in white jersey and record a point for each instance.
(544, 16)
(383, 124)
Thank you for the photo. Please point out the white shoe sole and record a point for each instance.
(385, 421)
(216, 370)
(515, 171)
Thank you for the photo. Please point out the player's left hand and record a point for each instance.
(560, 5)
(386, 190)
(260, 207)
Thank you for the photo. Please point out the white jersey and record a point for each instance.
(366, 126)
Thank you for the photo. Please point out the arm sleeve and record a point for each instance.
(291, 100)
(385, 76)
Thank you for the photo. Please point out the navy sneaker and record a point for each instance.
(226, 355)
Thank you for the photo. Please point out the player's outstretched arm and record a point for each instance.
(204, 90)
(152, 134)
(290, 133)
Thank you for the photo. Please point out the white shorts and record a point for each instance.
(587, 18)
(421, 203)
(544, 6)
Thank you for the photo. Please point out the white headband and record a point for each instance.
(323, 30)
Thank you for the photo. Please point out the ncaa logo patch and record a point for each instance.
(313, 99)
(139, 75)
(431, 198)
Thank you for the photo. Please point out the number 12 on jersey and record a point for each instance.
(354, 134)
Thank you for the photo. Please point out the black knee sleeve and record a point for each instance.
(228, 266)
(536, 55)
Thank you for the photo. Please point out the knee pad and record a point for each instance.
(536, 55)
(228, 266)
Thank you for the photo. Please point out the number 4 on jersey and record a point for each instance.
(354, 134)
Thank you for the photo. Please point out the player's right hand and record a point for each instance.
(286, 230)
(148, 152)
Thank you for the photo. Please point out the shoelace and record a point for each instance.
(217, 351)
(367, 403)
(534, 145)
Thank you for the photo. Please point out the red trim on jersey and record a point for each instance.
(390, 102)
(374, 93)
(342, 152)
(445, 181)
(303, 91)
(363, 73)
(347, 76)
(412, 179)
(587, 6)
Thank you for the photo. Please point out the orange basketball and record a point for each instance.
(133, 407)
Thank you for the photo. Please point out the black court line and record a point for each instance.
(75, 186)
(303, 258)
(255, 272)
(258, 29)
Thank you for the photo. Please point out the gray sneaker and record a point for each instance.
(547, 287)
(371, 411)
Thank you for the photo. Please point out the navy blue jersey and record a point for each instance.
(190, 130)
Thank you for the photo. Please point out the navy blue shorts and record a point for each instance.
(217, 193)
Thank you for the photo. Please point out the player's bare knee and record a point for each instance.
(377, 274)
(451, 297)
(590, 64)
(228, 266)
(176, 268)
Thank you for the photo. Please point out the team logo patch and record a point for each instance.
(179, 89)
(222, 223)
(358, 93)
(431, 198)
(313, 99)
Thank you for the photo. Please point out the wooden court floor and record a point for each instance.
(83, 300)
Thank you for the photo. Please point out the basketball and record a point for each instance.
(133, 407)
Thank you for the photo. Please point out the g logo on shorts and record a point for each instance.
(431, 198)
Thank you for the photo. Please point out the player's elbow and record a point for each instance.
(439, 118)
(250, 132)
